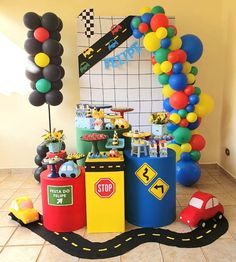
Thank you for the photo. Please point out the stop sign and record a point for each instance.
(105, 187)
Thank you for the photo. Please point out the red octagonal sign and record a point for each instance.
(105, 187)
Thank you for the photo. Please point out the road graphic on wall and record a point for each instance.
(105, 45)
(78, 246)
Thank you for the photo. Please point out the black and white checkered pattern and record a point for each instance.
(87, 16)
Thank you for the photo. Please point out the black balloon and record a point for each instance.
(61, 50)
(54, 98)
(38, 171)
(57, 85)
(63, 146)
(56, 60)
(51, 47)
(52, 72)
(38, 160)
(36, 98)
(33, 76)
(50, 21)
(60, 26)
(30, 34)
(32, 20)
(42, 150)
(55, 35)
(32, 46)
(31, 58)
(32, 85)
(62, 71)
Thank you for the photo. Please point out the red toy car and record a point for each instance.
(115, 29)
(202, 206)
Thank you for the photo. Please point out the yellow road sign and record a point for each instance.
(159, 188)
(145, 173)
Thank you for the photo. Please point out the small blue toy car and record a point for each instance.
(69, 169)
(112, 44)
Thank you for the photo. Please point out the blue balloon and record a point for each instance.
(190, 108)
(137, 34)
(193, 47)
(177, 68)
(187, 172)
(171, 128)
(193, 99)
(146, 17)
(178, 81)
(167, 106)
(165, 43)
(185, 156)
(194, 125)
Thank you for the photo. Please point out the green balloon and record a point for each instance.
(182, 113)
(163, 79)
(195, 155)
(161, 55)
(43, 85)
(197, 90)
(182, 135)
(157, 10)
(194, 70)
(170, 32)
(136, 22)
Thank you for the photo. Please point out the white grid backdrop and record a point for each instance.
(132, 84)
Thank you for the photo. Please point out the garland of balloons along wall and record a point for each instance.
(172, 59)
(44, 68)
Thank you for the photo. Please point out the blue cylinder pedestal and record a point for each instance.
(150, 190)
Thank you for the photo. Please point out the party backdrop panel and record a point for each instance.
(115, 69)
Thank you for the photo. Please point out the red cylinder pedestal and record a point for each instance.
(64, 208)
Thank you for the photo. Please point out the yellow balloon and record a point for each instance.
(205, 105)
(156, 69)
(161, 32)
(176, 43)
(166, 66)
(186, 67)
(151, 42)
(41, 59)
(186, 147)
(191, 117)
(145, 9)
(191, 78)
(175, 118)
(167, 91)
(177, 150)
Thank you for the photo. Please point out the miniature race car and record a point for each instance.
(115, 29)
(202, 206)
(22, 210)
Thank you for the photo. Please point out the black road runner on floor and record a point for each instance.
(78, 246)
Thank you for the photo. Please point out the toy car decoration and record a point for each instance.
(112, 44)
(23, 211)
(89, 51)
(202, 206)
(115, 29)
(69, 169)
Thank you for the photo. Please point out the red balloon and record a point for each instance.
(159, 20)
(143, 28)
(197, 142)
(41, 34)
(173, 57)
(181, 55)
(153, 61)
(175, 29)
(183, 122)
(178, 100)
(189, 90)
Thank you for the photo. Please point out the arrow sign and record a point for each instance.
(59, 201)
(161, 186)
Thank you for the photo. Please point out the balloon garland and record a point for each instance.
(172, 59)
(44, 62)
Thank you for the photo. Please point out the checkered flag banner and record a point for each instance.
(87, 16)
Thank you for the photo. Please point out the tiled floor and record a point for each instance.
(21, 245)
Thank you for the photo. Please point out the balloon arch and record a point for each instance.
(172, 59)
